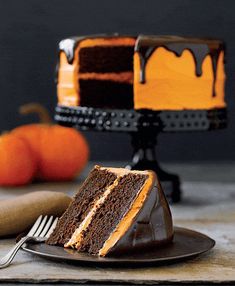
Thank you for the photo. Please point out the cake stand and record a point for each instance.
(144, 126)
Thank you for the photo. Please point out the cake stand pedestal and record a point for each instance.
(144, 126)
(144, 158)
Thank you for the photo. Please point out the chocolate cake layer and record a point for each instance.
(93, 187)
(111, 213)
(105, 59)
(106, 94)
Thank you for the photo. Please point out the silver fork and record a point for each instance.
(39, 232)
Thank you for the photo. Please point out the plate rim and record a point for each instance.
(115, 260)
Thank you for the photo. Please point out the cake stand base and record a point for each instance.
(144, 158)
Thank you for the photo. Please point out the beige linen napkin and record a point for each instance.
(18, 214)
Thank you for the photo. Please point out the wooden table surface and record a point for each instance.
(208, 206)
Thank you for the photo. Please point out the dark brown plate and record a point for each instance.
(186, 244)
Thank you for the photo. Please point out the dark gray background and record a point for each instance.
(31, 29)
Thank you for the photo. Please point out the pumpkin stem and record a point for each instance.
(40, 110)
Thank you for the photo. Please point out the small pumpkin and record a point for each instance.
(61, 152)
(18, 163)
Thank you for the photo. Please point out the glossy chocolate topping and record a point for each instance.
(152, 226)
(200, 48)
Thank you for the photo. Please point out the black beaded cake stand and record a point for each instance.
(144, 126)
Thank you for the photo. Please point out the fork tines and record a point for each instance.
(43, 227)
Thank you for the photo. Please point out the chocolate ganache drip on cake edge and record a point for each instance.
(199, 48)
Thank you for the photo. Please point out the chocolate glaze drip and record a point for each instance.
(152, 226)
(68, 47)
(199, 48)
(145, 228)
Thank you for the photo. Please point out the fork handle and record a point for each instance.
(6, 260)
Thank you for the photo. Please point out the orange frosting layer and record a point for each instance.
(67, 87)
(126, 77)
(172, 84)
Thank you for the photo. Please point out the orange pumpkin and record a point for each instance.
(18, 164)
(61, 152)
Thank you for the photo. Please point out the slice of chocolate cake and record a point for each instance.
(115, 210)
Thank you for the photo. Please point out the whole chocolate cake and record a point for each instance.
(141, 72)
(115, 210)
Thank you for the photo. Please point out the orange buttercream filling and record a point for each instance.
(124, 77)
(130, 216)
